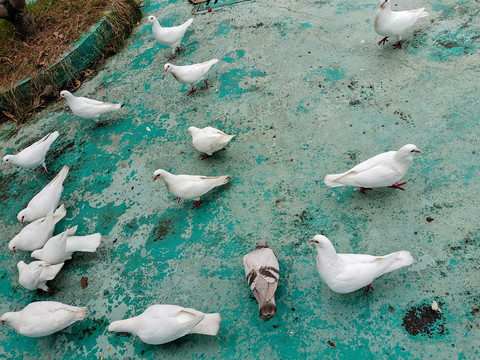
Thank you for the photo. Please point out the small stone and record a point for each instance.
(84, 282)
(430, 219)
(391, 309)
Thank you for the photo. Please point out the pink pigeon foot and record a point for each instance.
(399, 186)
(204, 156)
(191, 91)
(44, 170)
(398, 45)
(196, 204)
(172, 57)
(206, 83)
(369, 287)
(383, 41)
(177, 198)
(364, 188)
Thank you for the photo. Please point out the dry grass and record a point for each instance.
(62, 22)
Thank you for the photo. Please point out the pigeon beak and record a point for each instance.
(23, 219)
(14, 250)
(3, 322)
(166, 70)
(155, 178)
(417, 151)
(315, 241)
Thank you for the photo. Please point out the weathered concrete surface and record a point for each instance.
(308, 92)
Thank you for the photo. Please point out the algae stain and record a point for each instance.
(234, 56)
(223, 29)
(230, 82)
(163, 228)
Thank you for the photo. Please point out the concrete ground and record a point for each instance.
(308, 92)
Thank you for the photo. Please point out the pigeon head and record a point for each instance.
(21, 215)
(6, 159)
(167, 67)
(320, 241)
(151, 19)
(158, 173)
(262, 243)
(407, 152)
(6, 317)
(65, 94)
(384, 2)
(12, 244)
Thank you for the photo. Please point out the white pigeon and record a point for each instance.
(160, 324)
(262, 272)
(384, 169)
(190, 74)
(43, 318)
(35, 235)
(46, 200)
(33, 155)
(189, 187)
(36, 274)
(209, 140)
(60, 247)
(395, 23)
(169, 36)
(345, 273)
(88, 108)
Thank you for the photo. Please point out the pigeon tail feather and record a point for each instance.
(330, 180)
(87, 243)
(81, 313)
(59, 214)
(209, 325)
(267, 309)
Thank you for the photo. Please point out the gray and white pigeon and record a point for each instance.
(33, 155)
(262, 271)
(395, 23)
(60, 247)
(35, 235)
(160, 324)
(43, 318)
(189, 187)
(36, 274)
(88, 108)
(190, 74)
(345, 273)
(46, 200)
(384, 169)
(209, 140)
(169, 36)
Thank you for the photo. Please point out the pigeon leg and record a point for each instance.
(364, 188)
(177, 198)
(191, 91)
(44, 169)
(399, 186)
(172, 57)
(196, 204)
(383, 41)
(398, 45)
(204, 156)
(369, 287)
(206, 83)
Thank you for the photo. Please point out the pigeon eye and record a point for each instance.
(412, 151)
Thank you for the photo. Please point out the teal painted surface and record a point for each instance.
(304, 101)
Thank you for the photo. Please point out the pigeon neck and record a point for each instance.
(127, 325)
(327, 256)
